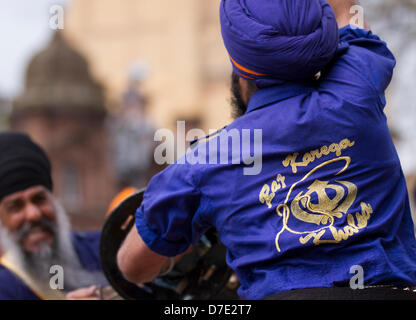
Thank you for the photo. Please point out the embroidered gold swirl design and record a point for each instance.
(327, 209)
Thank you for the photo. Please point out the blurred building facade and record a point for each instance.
(179, 40)
(62, 109)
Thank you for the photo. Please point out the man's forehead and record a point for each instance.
(25, 193)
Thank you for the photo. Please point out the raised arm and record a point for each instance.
(346, 13)
(138, 263)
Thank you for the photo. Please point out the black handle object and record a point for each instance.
(200, 275)
(115, 230)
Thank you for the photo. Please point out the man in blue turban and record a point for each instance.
(327, 211)
(274, 41)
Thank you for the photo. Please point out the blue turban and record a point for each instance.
(278, 40)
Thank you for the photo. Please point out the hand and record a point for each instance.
(90, 293)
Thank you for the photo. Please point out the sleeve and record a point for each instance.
(169, 218)
(363, 67)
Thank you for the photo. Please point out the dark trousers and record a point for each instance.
(345, 293)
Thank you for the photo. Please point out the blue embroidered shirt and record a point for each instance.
(330, 194)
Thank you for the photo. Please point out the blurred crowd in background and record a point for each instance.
(93, 94)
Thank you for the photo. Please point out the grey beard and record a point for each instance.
(61, 252)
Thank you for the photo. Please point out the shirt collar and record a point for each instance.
(269, 95)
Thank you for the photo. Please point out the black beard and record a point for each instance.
(239, 108)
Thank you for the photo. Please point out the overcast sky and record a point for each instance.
(24, 30)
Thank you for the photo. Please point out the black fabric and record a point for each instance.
(23, 164)
(345, 293)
